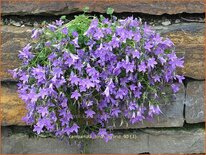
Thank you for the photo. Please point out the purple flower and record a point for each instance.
(136, 54)
(86, 83)
(52, 27)
(137, 93)
(35, 34)
(43, 111)
(25, 53)
(106, 92)
(175, 88)
(48, 44)
(148, 46)
(57, 72)
(59, 22)
(38, 129)
(133, 87)
(172, 56)
(180, 78)
(74, 128)
(89, 113)
(74, 79)
(115, 112)
(120, 94)
(24, 78)
(108, 137)
(75, 42)
(142, 67)
(156, 78)
(66, 119)
(154, 110)
(65, 30)
(137, 37)
(151, 62)
(129, 67)
(102, 132)
(75, 95)
(115, 42)
(177, 62)
(93, 135)
(74, 56)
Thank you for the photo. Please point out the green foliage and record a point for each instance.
(110, 11)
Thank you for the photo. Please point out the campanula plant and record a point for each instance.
(77, 76)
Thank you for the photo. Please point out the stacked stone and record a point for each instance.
(177, 130)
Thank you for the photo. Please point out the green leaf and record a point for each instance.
(110, 11)
(63, 17)
(86, 9)
(102, 17)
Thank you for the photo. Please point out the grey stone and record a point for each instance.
(177, 21)
(166, 23)
(164, 140)
(129, 142)
(195, 110)
(68, 7)
(172, 114)
(16, 23)
(22, 144)
(153, 141)
(176, 141)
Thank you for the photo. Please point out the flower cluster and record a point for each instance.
(75, 77)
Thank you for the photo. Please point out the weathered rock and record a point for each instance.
(12, 107)
(176, 141)
(122, 143)
(188, 39)
(166, 22)
(67, 7)
(167, 140)
(195, 102)
(13, 40)
(22, 144)
(172, 115)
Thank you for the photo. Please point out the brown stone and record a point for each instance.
(13, 39)
(14, 7)
(189, 41)
(12, 107)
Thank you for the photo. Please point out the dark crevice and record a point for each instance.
(32, 20)
(184, 107)
(189, 79)
(194, 125)
(7, 83)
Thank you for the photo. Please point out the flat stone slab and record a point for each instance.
(13, 40)
(195, 102)
(13, 7)
(22, 144)
(189, 43)
(175, 140)
(12, 107)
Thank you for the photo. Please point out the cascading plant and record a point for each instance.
(77, 76)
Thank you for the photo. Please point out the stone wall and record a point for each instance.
(180, 129)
